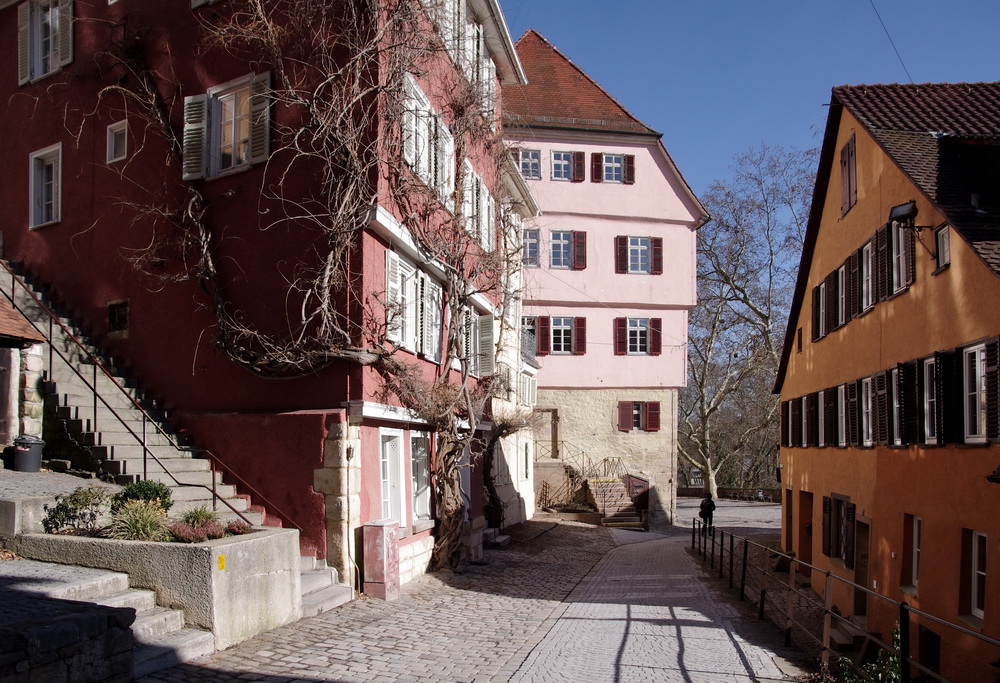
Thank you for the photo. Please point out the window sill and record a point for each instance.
(972, 444)
(243, 168)
(422, 525)
(971, 621)
(42, 77)
(941, 269)
(44, 225)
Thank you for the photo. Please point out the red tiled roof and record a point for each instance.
(946, 138)
(560, 95)
(15, 330)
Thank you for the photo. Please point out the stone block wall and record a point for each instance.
(415, 558)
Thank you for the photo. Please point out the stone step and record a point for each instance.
(137, 599)
(489, 533)
(317, 579)
(325, 599)
(623, 524)
(202, 478)
(181, 506)
(61, 581)
(135, 465)
(171, 649)
(500, 541)
(133, 441)
(155, 622)
(125, 452)
(199, 495)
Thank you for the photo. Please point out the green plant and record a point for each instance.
(885, 668)
(200, 516)
(78, 512)
(144, 490)
(138, 520)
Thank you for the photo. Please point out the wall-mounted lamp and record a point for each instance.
(995, 477)
(903, 211)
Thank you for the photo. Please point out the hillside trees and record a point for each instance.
(747, 259)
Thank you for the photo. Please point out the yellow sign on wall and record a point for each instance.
(222, 562)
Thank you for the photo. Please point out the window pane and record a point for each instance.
(612, 168)
(562, 335)
(562, 165)
(562, 248)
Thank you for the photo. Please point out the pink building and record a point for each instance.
(609, 270)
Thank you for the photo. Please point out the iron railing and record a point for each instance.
(99, 370)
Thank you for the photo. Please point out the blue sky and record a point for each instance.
(719, 76)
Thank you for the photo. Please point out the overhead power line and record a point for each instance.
(898, 56)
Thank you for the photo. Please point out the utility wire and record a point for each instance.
(898, 56)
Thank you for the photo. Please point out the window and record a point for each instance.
(478, 343)
(227, 128)
(568, 249)
(428, 146)
(561, 335)
(479, 209)
(531, 164)
(820, 419)
(636, 254)
(842, 415)
(978, 577)
(390, 467)
(44, 38)
(867, 285)
(420, 474)
(117, 141)
(841, 295)
(562, 166)
(805, 422)
(118, 316)
(930, 403)
(527, 389)
(942, 244)
(895, 404)
(638, 336)
(974, 392)
(821, 306)
(912, 528)
(900, 230)
(45, 186)
(638, 416)
(866, 411)
(414, 308)
(838, 528)
(612, 168)
(848, 176)
(530, 247)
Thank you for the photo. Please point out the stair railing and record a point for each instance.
(92, 386)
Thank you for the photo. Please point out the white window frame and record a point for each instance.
(929, 400)
(974, 393)
(638, 337)
(842, 415)
(613, 168)
(561, 249)
(820, 419)
(640, 254)
(45, 188)
(898, 234)
(117, 131)
(942, 246)
(420, 475)
(562, 343)
(44, 38)
(841, 295)
(822, 309)
(805, 422)
(867, 401)
(530, 163)
(531, 248)
(867, 290)
(977, 597)
(392, 474)
(417, 300)
(897, 437)
(527, 390)
(915, 531)
(562, 166)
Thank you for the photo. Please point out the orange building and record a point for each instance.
(889, 377)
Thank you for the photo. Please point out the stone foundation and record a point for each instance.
(415, 559)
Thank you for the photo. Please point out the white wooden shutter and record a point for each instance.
(23, 43)
(468, 204)
(65, 32)
(487, 351)
(260, 117)
(195, 137)
(488, 221)
(446, 163)
(392, 286)
(431, 332)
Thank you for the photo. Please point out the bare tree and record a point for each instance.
(339, 97)
(747, 257)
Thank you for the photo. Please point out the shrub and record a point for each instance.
(79, 512)
(200, 516)
(138, 520)
(212, 530)
(185, 533)
(237, 527)
(144, 490)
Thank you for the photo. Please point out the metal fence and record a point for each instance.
(766, 576)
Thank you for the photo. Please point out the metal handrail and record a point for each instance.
(53, 319)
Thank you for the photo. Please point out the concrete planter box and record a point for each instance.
(235, 587)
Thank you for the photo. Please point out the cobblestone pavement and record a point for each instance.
(561, 603)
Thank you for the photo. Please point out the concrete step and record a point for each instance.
(61, 581)
(155, 622)
(137, 599)
(200, 495)
(624, 524)
(317, 579)
(500, 541)
(171, 649)
(181, 506)
(203, 478)
(489, 533)
(325, 599)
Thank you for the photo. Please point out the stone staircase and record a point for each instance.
(492, 538)
(321, 589)
(614, 502)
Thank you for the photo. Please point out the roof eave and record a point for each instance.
(500, 42)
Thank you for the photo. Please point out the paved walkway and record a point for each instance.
(565, 602)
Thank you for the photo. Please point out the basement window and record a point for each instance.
(118, 316)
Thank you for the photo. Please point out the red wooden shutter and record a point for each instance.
(579, 167)
(850, 514)
(579, 336)
(597, 167)
(652, 416)
(621, 336)
(628, 169)
(621, 254)
(656, 245)
(655, 336)
(827, 522)
(624, 416)
(579, 250)
(544, 331)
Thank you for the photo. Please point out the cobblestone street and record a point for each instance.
(564, 602)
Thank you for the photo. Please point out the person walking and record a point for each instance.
(706, 510)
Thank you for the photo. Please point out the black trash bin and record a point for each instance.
(28, 453)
